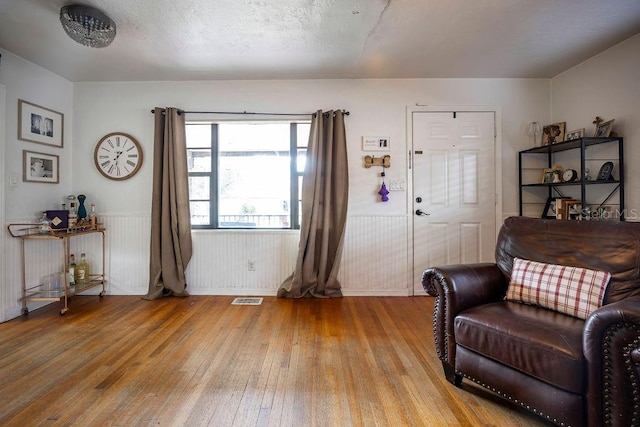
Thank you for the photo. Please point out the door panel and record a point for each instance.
(453, 188)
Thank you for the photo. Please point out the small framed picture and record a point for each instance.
(40, 125)
(549, 210)
(550, 175)
(40, 167)
(603, 130)
(552, 134)
(375, 143)
(575, 134)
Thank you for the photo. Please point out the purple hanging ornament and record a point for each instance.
(384, 193)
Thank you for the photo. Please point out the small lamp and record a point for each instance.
(534, 130)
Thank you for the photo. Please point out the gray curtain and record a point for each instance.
(170, 217)
(325, 192)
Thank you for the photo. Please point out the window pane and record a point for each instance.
(199, 188)
(299, 201)
(254, 191)
(301, 160)
(199, 160)
(303, 134)
(198, 135)
(199, 213)
(253, 136)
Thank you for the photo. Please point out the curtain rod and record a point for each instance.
(346, 113)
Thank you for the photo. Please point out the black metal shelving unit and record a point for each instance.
(554, 189)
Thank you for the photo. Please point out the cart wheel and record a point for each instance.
(63, 311)
(25, 311)
(103, 293)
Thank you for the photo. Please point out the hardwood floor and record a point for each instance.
(123, 361)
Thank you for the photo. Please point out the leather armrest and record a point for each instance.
(457, 288)
(611, 343)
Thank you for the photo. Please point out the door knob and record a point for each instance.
(419, 212)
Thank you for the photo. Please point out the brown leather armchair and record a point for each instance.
(569, 371)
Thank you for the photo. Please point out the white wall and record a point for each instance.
(376, 259)
(607, 85)
(25, 80)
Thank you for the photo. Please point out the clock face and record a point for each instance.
(118, 156)
(569, 175)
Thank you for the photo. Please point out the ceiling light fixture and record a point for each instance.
(87, 26)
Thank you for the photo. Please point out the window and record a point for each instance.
(244, 175)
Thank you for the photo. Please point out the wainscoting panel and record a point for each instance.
(128, 238)
(241, 262)
(375, 260)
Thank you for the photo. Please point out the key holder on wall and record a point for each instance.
(384, 161)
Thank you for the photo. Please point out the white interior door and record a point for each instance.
(453, 189)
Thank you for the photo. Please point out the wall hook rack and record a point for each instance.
(384, 161)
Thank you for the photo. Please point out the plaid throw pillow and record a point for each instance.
(570, 290)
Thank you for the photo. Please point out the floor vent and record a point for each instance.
(247, 301)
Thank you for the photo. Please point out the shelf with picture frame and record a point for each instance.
(592, 171)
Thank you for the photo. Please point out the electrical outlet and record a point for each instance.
(251, 265)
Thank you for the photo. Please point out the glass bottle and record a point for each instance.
(73, 216)
(72, 272)
(45, 223)
(92, 216)
(82, 270)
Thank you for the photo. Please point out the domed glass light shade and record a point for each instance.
(87, 26)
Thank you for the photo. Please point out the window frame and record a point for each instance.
(294, 175)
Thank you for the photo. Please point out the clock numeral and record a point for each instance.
(130, 163)
(102, 156)
(118, 141)
(110, 143)
(105, 164)
(110, 169)
(135, 156)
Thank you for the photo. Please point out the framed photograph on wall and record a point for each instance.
(40, 167)
(375, 143)
(40, 124)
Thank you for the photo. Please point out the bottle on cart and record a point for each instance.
(73, 215)
(72, 272)
(93, 217)
(82, 270)
(45, 223)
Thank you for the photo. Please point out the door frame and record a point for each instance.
(497, 157)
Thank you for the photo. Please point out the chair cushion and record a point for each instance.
(570, 290)
(542, 343)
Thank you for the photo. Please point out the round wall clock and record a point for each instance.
(118, 156)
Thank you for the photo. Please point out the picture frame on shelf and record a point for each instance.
(551, 175)
(549, 211)
(554, 133)
(40, 124)
(603, 130)
(40, 167)
(575, 134)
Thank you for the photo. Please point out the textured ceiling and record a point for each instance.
(304, 39)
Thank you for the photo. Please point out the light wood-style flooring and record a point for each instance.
(195, 361)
